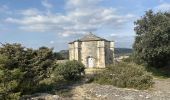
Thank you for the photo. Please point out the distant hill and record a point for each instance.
(123, 50)
(118, 52)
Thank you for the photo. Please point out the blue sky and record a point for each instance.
(54, 23)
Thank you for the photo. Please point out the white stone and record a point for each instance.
(92, 51)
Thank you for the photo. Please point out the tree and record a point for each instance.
(152, 42)
(71, 70)
(58, 56)
(9, 80)
(34, 64)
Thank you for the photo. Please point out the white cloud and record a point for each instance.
(30, 12)
(81, 16)
(82, 3)
(46, 4)
(113, 34)
(66, 33)
(51, 42)
(163, 7)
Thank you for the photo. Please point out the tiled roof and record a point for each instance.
(90, 37)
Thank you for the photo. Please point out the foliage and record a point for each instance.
(152, 43)
(9, 80)
(159, 73)
(71, 70)
(25, 67)
(125, 75)
(59, 56)
(64, 54)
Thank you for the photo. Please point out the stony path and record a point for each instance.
(80, 91)
(162, 85)
(161, 91)
(108, 92)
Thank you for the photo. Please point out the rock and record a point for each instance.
(41, 96)
(93, 91)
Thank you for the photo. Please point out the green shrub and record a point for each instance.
(125, 75)
(71, 70)
(22, 69)
(9, 80)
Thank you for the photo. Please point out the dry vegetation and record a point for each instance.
(126, 75)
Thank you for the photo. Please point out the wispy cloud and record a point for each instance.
(163, 7)
(46, 4)
(4, 9)
(30, 12)
(78, 18)
(51, 42)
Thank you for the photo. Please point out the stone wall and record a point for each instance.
(71, 51)
(101, 51)
(89, 50)
(101, 54)
(109, 52)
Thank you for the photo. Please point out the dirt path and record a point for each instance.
(82, 91)
(80, 94)
(160, 91)
(162, 85)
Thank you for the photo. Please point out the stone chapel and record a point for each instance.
(92, 51)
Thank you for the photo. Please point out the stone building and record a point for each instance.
(92, 51)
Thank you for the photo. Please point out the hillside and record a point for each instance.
(122, 51)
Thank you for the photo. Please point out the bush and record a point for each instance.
(9, 80)
(21, 69)
(125, 75)
(71, 70)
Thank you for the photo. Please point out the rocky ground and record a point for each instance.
(160, 91)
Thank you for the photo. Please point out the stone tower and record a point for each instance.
(92, 51)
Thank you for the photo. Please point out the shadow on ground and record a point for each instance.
(62, 89)
(159, 72)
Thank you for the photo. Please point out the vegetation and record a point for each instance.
(9, 80)
(64, 54)
(71, 70)
(21, 69)
(25, 71)
(159, 73)
(59, 56)
(125, 75)
(152, 43)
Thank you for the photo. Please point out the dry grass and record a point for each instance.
(123, 75)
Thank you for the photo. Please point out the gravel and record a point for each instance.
(92, 91)
(108, 92)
